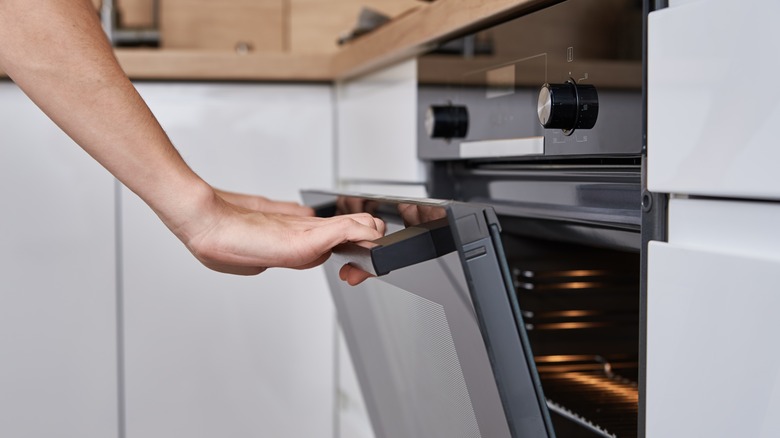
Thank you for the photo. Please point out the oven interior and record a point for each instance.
(580, 306)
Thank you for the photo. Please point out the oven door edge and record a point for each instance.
(501, 321)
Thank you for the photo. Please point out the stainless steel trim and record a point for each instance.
(513, 147)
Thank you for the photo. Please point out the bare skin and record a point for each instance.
(56, 51)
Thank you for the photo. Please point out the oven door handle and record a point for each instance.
(407, 247)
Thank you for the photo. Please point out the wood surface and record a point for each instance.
(315, 25)
(222, 25)
(136, 13)
(412, 33)
(173, 64)
(207, 65)
(404, 37)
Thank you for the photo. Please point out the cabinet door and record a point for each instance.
(377, 127)
(57, 281)
(711, 130)
(713, 295)
(212, 355)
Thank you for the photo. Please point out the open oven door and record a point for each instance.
(437, 338)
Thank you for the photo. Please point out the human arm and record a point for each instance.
(265, 205)
(56, 51)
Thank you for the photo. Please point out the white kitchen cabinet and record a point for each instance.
(713, 287)
(377, 127)
(58, 368)
(711, 123)
(212, 355)
(713, 293)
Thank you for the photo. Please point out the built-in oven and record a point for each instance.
(512, 303)
(469, 330)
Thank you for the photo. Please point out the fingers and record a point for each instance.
(352, 275)
(380, 225)
(409, 213)
(353, 228)
(234, 269)
(322, 259)
(364, 219)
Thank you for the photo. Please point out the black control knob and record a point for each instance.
(568, 106)
(447, 121)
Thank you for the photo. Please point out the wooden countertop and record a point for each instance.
(410, 34)
(404, 37)
(213, 65)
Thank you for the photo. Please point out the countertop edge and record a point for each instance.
(413, 33)
(213, 65)
(202, 65)
(402, 38)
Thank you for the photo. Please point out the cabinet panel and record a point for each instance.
(712, 361)
(377, 126)
(209, 354)
(736, 227)
(712, 131)
(57, 281)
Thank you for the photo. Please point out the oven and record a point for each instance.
(512, 303)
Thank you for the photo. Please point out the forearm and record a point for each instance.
(58, 54)
(56, 51)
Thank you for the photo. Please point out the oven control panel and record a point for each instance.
(563, 81)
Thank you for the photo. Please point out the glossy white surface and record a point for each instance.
(712, 356)
(712, 299)
(713, 107)
(675, 3)
(210, 355)
(377, 126)
(736, 227)
(57, 283)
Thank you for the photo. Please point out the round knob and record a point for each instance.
(568, 106)
(450, 121)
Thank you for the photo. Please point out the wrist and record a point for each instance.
(189, 210)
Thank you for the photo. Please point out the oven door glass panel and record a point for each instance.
(430, 341)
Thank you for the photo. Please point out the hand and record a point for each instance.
(352, 275)
(232, 239)
(347, 205)
(347, 273)
(265, 205)
(412, 214)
